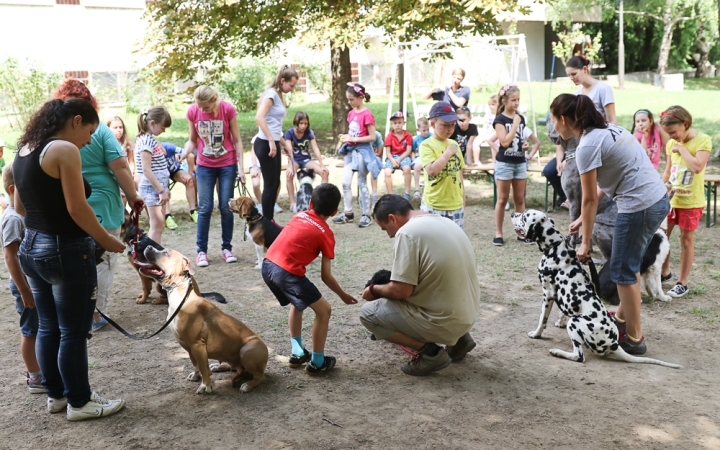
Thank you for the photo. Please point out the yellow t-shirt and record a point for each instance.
(689, 187)
(444, 191)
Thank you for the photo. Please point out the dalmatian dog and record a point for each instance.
(566, 283)
(304, 193)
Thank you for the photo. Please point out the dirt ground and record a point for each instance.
(508, 393)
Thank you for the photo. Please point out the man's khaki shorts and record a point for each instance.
(383, 318)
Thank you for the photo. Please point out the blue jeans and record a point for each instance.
(61, 273)
(633, 232)
(206, 179)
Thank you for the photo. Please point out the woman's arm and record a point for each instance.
(237, 141)
(590, 201)
(610, 113)
(124, 177)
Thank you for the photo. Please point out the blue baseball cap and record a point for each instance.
(444, 111)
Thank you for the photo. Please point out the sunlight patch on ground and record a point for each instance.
(708, 433)
(649, 433)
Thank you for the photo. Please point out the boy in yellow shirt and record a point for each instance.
(687, 155)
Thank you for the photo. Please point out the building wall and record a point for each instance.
(95, 36)
(535, 40)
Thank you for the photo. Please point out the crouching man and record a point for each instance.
(434, 296)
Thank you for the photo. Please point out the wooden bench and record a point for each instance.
(711, 183)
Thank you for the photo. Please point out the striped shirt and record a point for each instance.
(147, 143)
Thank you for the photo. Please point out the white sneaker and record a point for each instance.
(259, 208)
(56, 405)
(507, 206)
(201, 260)
(278, 209)
(94, 409)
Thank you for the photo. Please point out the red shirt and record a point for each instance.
(300, 242)
(398, 146)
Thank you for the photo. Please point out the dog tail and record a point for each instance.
(624, 356)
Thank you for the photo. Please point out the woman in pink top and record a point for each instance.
(651, 137)
(214, 132)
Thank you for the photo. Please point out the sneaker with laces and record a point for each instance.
(364, 221)
(677, 291)
(56, 405)
(668, 277)
(416, 195)
(461, 348)
(296, 361)
(498, 241)
(344, 218)
(228, 256)
(406, 196)
(94, 409)
(194, 216)
(312, 369)
(424, 364)
(278, 209)
(34, 384)
(201, 260)
(632, 346)
(170, 223)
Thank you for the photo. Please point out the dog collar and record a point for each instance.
(254, 219)
(172, 287)
(553, 245)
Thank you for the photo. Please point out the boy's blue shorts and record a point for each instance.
(28, 317)
(289, 288)
(406, 161)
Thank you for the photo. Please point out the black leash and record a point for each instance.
(591, 264)
(140, 338)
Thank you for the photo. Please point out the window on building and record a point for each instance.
(81, 75)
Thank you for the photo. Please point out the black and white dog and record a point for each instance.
(566, 283)
(304, 194)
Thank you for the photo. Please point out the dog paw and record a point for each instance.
(664, 298)
(245, 388)
(204, 389)
(534, 334)
(194, 376)
(562, 322)
(220, 367)
(141, 298)
(160, 301)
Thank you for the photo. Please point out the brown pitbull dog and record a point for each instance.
(201, 328)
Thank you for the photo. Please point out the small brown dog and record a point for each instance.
(260, 229)
(201, 328)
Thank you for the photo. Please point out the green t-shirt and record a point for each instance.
(105, 199)
(444, 191)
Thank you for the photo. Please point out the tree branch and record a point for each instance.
(638, 13)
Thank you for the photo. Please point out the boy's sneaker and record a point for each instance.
(344, 218)
(677, 291)
(416, 195)
(668, 277)
(94, 409)
(297, 361)
(194, 216)
(364, 221)
(201, 260)
(278, 209)
(34, 384)
(406, 196)
(99, 324)
(312, 369)
(633, 347)
(170, 223)
(498, 241)
(56, 405)
(423, 364)
(228, 256)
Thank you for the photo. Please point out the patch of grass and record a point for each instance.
(527, 287)
(93, 365)
(699, 289)
(709, 315)
(710, 261)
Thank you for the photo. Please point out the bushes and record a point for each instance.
(23, 89)
(246, 82)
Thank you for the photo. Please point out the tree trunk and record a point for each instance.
(341, 75)
(703, 66)
(666, 43)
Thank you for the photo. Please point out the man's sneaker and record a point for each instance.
(423, 364)
(228, 256)
(194, 216)
(406, 196)
(201, 260)
(677, 291)
(416, 195)
(633, 347)
(364, 221)
(56, 405)
(34, 384)
(498, 241)
(170, 223)
(668, 277)
(278, 209)
(461, 348)
(297, 361)
(99, 324)
(344, 218)
(328, 364)
(94, 409)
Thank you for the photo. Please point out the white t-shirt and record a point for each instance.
(624, 172)
(601, 95)
(275, 116)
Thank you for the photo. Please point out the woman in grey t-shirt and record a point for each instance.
(612, 162)
(578, 69)
(268, 143)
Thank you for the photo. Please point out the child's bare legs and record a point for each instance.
(518, 190)
(476, 150)
(27, 351)
(315, 167)
(687, 255)
(320, 327)
(290, 181)
(388, 180)
(157, 222)
(408, 178)
(190, 194)
(255, 178)
(503, 187)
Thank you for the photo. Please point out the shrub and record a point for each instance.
(23, 89)
(246, 82)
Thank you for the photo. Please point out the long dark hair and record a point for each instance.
(52, 117)
(579, 110)
(578, 62)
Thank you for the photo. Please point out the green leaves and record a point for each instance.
(23, 89)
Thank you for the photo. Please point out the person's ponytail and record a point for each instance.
(52, 117)
(578, 110)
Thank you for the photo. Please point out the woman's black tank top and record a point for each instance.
(43, 197)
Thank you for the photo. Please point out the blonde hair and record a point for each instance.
(158, 114)
(125, 142)
(675, 115)
(423, 122)
(459, 71)
(8, 179)
(206, 94)
(505, 92)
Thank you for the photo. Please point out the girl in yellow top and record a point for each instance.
(687, 154)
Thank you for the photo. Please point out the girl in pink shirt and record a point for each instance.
(651, 137)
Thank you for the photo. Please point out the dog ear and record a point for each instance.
(534, 232)
(188, 267)
(245, 207)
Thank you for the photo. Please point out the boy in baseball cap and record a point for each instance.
(444, 185)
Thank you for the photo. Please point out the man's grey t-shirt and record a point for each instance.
(462, 92)
(601, 95)
(624, 172)
(274, 117)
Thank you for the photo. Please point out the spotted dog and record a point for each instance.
(304, 194)
(566, 283)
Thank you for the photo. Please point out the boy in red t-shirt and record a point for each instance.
(398, 148)
(283, 270)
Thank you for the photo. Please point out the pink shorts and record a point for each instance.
(685, 218)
